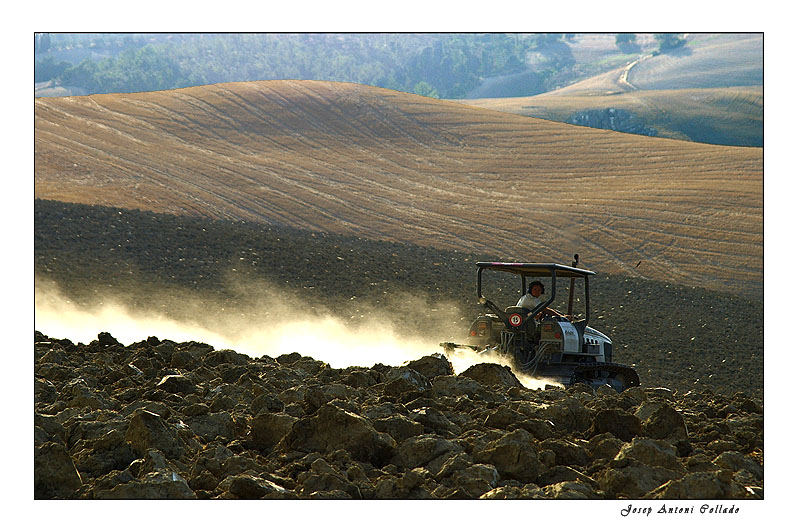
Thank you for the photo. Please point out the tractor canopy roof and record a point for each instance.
(535, 269)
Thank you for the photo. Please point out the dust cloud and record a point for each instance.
(463, 358)
(263, 320)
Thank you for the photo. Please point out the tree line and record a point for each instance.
(438, 65)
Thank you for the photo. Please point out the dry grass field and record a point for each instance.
(708, 60)
(381, 164)
(705, 61)
(729, 115)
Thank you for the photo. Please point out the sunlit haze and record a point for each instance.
(326, 338)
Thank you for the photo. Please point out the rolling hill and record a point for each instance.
(732, 116)
(350, 159)
(708, 60)
(711, 90)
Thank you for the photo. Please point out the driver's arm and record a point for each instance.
(551, 312)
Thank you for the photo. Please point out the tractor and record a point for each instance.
(541, 341)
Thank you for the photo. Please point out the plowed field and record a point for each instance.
(351, 159)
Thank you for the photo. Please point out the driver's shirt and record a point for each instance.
(530, 302)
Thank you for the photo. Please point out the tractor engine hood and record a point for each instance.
(563, 331)
(597, 334)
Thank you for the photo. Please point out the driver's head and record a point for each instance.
(536, 288)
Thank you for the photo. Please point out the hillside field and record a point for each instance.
(710, 90)
(386, 165)
(732, 116)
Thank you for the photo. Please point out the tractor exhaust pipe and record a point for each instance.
(572, 286)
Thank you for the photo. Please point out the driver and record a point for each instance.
(534, 297)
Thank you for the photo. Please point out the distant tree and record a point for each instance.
(41, 43)
(81, 75)
(626, 42)
(424, 88)
(669, 41)
(549, 38)
(47, 68)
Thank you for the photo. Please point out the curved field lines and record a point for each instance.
(352, 159)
